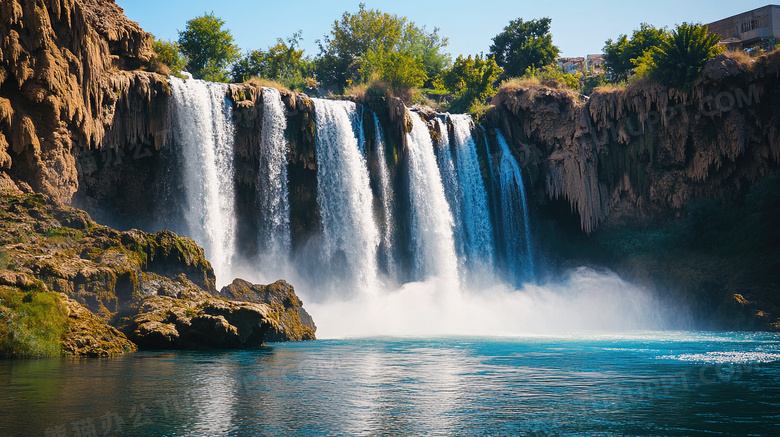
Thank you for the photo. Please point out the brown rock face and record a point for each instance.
(60, 84)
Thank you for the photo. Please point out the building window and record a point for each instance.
(752, 24)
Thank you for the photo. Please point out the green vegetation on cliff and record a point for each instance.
(282, 62)
(208, 47)
(32, 323)
(553, 77)
(523, 45)
(168, 59)
(620, 54)
(374, 45)
(471, 81)
(680, 56)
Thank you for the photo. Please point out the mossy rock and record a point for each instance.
(202, 321)
(170, 254)
(100, 277)
(89, 335)
(31, 324)
(294, 323)
(47, 324)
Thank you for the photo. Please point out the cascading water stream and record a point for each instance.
(386, 196)
(514, 209)
(357, 120)
(431, 218)
(474, 203)
(449, 180)
(203, 129)
(274, 230)
(344, 194)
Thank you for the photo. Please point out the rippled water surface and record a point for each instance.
(633, 384)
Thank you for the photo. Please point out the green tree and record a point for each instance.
(427, 48)
(209, 48)
(524, 44)
(678, 60)
(351, 38)
(377, 35)
(167, 53)
(282, 62)
(620, 54)
(470, 80)
(402, 70)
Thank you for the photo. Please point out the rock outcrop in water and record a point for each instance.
(158, 289)
(295, 324)
(199, 320)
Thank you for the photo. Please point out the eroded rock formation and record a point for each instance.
(632, 155)
(63, 88)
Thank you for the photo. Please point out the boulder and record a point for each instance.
(200, 322)
(294, 323)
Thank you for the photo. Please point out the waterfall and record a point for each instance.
(274, 229)
(449, 180)
(477, 228)
(386, 196)
(514, 211)
(357, 126)
(203, 129)
(431, 218)
(344, 194)
(449, 227)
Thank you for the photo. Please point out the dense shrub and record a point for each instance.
(470, 80)
(553, 77)
(363, 45)
(678, 60)
(168, 56)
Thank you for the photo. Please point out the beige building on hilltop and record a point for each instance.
(759, 28)
(595, 63)
(571, 65)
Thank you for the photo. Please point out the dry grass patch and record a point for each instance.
(262, 82)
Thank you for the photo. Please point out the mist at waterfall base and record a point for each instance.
(471, 270)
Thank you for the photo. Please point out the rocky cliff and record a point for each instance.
(634, 155)
(66, 88)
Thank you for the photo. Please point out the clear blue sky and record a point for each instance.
(578, 27)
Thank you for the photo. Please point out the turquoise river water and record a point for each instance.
(642, 383)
